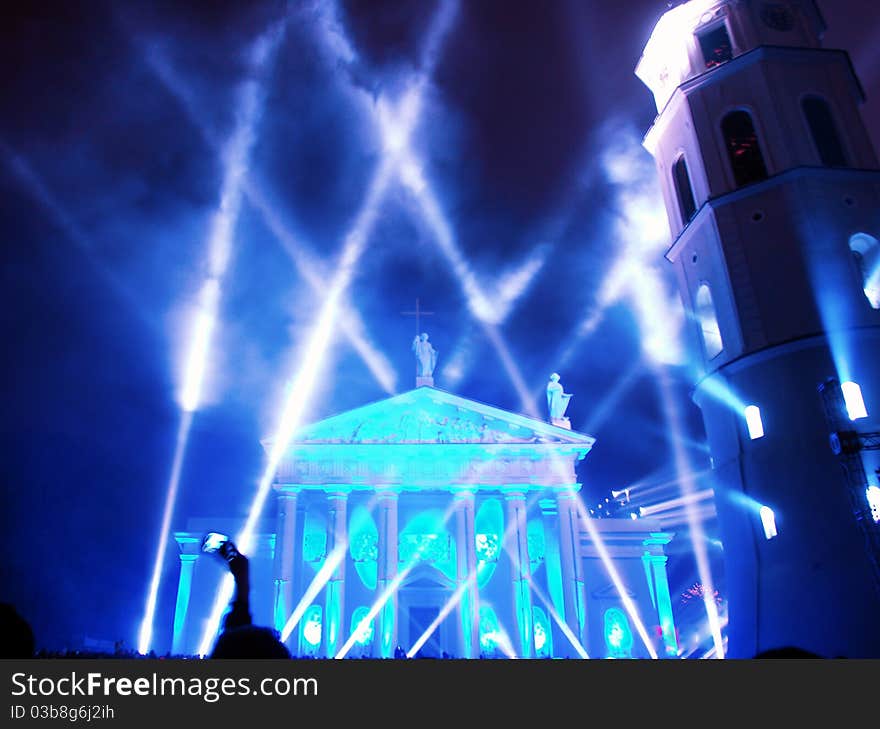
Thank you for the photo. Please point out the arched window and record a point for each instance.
(683, 187)
(866, 250)
(708, 322)
(618, 635)
(743, 149)
(715, 45)
(824, 131)
(310, 631)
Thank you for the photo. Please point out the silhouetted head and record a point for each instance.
(249, 641)
(16, 636)
(788, 651)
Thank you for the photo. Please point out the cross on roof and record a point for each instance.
(418, 313)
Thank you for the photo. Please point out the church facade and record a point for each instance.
(434, 525)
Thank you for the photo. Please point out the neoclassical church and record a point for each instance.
(431, 524)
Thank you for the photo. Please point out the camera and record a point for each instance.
(222, 545)
(213, 541)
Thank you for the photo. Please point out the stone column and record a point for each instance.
(516, 536)
(184, 587)
(468, 609)
(334, 612)
(385, 640)
(664, 603)
(572, 567)
(285, 555)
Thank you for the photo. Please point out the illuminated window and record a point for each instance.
(715, 45)
(824, 131)
(866, 251)
(873, 495)
(743, 149)
(361, 628)
(768, 521)
(490, 631)
(543, 634)
(683, 187)
(855, 404)
(708, 322)
(618, 636)
(311, 629)
(754, 422)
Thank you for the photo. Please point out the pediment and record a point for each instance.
(430, 415)
(610, 592)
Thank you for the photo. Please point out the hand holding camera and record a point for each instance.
(222, 545)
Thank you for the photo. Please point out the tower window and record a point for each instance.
(683, 187)
(743, 149)
(715, 45)
(852, 397)
(866, 251)
(768, 521)
(824, 131)
(708, 322)
(753, 422)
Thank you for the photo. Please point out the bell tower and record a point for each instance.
(772, 190)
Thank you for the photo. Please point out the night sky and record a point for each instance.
(115, 134)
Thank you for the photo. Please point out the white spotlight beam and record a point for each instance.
(608, 563)
(614, 575)
(318, 582)
(489, 310)
(318, 343)
(235, 158)
(673, 504)
(447, 608)
(314, 354)
(389, 591)
(312, 272)
(447, 245)
(145, 635)
(695, 525)
(470, 580)
(321, 578)
(557, 618)
(316, 277)
(480, 306)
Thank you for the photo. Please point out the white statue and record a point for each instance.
(426, 356)
(557, 400)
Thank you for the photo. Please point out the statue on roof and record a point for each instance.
(426, 356)
(557, 402)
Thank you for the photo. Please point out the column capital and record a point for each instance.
(188, 558)
(188, 543)
(658, 539)
(514, 493)
(655, 558)
(548, 506)
(463, 493)
(335, 491)
(388, 492)
(285, 489)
